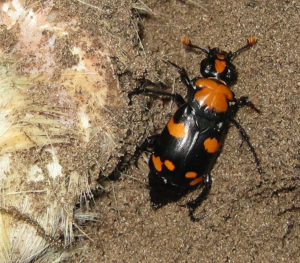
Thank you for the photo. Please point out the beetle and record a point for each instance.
(184, 153)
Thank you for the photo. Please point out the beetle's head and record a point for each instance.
(218, 64)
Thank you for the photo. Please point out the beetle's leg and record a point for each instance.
(186, 80)
(147, 145)
(183, 74)
(239, 103)
(142, 88)
(246, 138)
(192, 205)
(242, 102)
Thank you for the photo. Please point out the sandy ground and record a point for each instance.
(248, 217)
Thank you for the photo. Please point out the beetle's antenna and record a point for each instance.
(187, 42)
(250, 42)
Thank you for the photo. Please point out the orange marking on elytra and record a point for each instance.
(220, 65)
(190, 175)
(169, 165)
(211, 145)
(157, 163)
(177, 130)
(213, 94)
(197, 181)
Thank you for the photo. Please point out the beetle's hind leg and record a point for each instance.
(142, 88)
(192, 205)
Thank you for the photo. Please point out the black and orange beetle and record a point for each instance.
(186, 150)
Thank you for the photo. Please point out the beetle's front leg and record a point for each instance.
(243, 101)
(183, 74)
(142, 88)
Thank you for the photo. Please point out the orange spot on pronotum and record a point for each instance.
(177, 130)
(211, 145)
(190, 175)
(196, 181)
(213, 94)
(157, 163)
(169, 165)
(220, 65)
